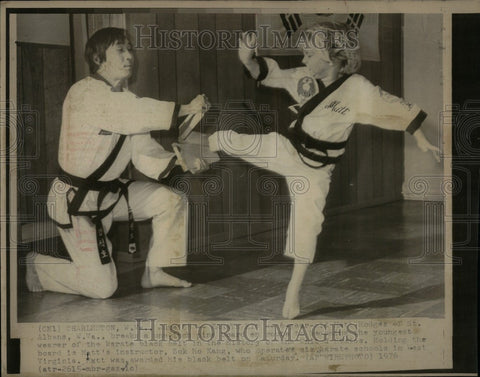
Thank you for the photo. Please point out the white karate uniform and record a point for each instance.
(356, 101)
(94, 117)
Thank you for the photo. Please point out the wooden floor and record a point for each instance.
(370, 264)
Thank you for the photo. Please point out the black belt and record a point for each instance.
(304, 142)
(93, 185)
(83, 186)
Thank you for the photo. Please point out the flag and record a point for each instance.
(291, 22)
(354, 20)
(290, 25)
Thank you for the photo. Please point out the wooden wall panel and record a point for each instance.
(365, 173)
(391, 45)
(144, 79)
(167, 73)
(369, 69)
(32, 97)
(229, 68)
(248, 23)
(398, 141)
(56, 84)
(208, 60)
(188, 67)
(44, 77)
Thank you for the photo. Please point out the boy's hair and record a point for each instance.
(341, 42)
(99, 42)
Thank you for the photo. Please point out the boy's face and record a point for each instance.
(118, 62)
(317, 60)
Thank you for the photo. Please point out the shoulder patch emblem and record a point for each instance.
(306, 87)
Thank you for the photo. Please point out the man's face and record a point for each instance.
(118, 63)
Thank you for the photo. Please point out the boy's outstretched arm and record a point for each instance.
(246, 53)
(425, 145)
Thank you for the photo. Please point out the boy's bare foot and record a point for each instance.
(156, 277)
(33, 282)
(291, 307)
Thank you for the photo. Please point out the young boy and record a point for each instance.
(331, 99)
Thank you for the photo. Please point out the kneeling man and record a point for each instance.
(104, 127)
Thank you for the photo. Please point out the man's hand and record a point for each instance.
(425, 145)
(194, 155)
(246, 50)
(199, 104)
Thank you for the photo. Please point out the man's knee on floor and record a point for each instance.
(101, 285)
(105, 290)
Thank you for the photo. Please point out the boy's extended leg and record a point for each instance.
(267, 151)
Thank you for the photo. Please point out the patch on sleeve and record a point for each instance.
(306, 87)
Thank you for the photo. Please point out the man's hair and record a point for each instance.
(346, 53)
(99, 42)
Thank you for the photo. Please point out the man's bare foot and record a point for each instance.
(156, 277)
(33, 282)
(291, 307)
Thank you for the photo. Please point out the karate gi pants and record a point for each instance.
(308, 187)
(85, 275)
